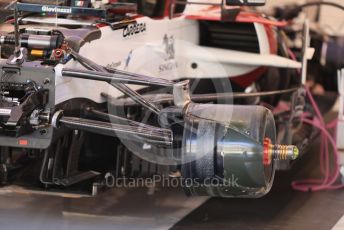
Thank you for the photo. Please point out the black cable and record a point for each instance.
(288, 13)
(318, 3)
(237, 95)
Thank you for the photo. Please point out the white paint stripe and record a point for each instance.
(339, 225)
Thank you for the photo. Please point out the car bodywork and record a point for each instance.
(83, 98)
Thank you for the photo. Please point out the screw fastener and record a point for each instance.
(278, 152)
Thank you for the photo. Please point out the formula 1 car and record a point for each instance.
(142, 88)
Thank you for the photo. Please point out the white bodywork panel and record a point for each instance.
(162, 48)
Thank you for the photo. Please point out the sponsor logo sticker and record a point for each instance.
(133, 29)
(49, 9)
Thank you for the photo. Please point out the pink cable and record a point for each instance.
(322, 147)
(323, 142)
(327, 183)
(315, 106)
(318, 122)
(332, 124)
(308, 185)
(292, 56)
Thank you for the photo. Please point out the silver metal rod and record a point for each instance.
(168, 98)
(121, 120)
(219, 96)
(115, 77)
(121, 87)
(16, 32)
(165, 82)
(87, 63)
(122, 131)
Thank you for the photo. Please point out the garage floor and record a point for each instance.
(131, 209)
(282, 208)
